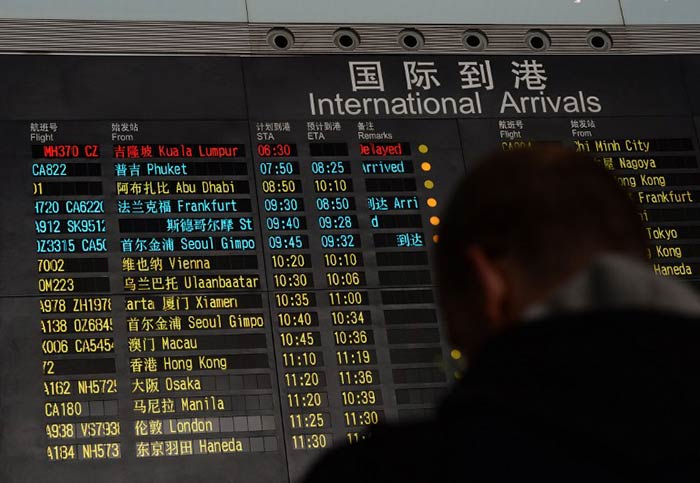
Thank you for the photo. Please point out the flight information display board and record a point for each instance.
(221, 267)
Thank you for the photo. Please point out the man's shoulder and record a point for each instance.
(387, 452)
(620, 329)
(537, 402)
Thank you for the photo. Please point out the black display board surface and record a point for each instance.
(218, 267)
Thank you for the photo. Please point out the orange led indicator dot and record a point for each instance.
(456, 354)
(429, 184)
(425, 166)
(422, 149)
(432, 202)
(436, 238)
(434, 220)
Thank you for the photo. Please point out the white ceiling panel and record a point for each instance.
(640, 12)
(179, 10)
(591, 12)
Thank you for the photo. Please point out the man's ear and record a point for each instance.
(492, 286)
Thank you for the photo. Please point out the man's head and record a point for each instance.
(519, 225)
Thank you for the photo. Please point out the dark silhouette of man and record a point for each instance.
(583, 365)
